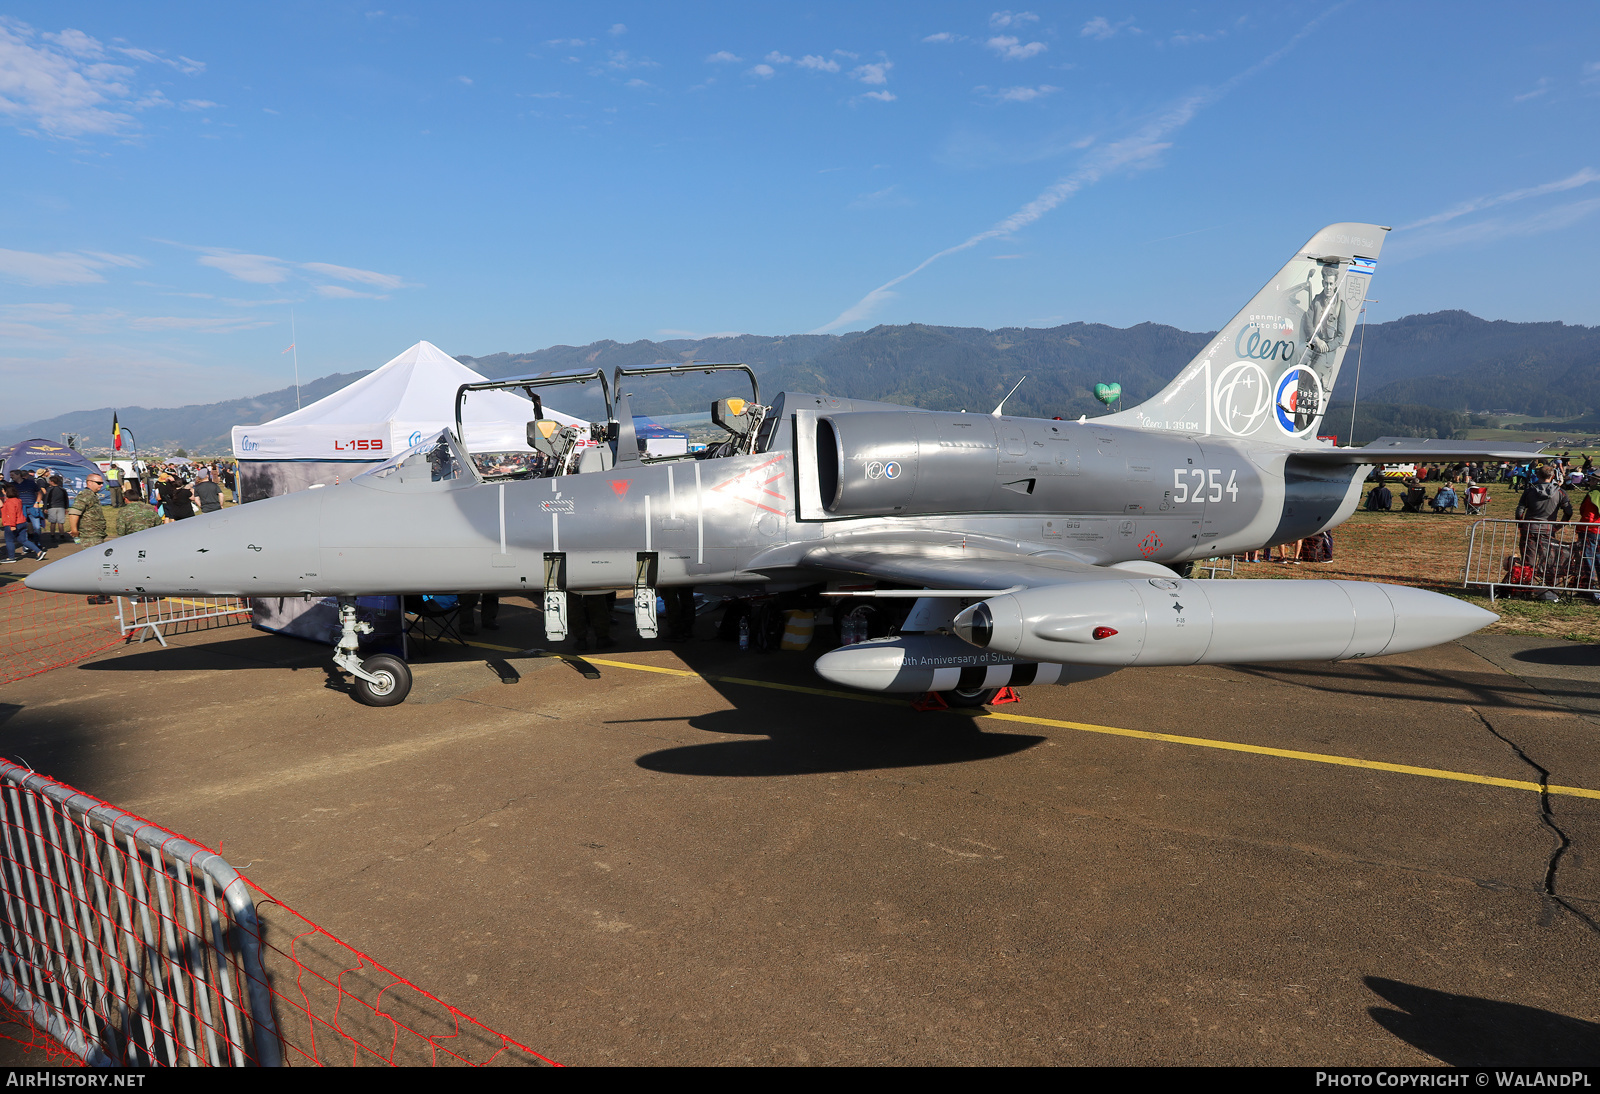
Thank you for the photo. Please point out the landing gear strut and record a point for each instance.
(382, 680)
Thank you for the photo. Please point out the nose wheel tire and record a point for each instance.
(393, 683)
(970, 697)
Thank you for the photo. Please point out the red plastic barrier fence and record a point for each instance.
(129, 944)
(43, 631)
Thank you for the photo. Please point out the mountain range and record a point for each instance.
(1428, 372)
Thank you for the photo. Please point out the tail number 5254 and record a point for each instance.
(1203, 484)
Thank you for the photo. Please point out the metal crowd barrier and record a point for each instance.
(127, 944)
(151, 613)
(1217, 567)
(1532, 555)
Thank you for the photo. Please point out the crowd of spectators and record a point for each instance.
(35, 508)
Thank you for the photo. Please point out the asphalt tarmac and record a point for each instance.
(730, 862)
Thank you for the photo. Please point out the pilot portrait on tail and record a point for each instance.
(1322, 332)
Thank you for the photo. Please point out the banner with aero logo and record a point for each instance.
(368, 442)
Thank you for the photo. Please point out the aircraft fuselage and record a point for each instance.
(1094, 494)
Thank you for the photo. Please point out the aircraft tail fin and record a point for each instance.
(1268, 373)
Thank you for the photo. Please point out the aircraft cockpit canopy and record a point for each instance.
(438, 463)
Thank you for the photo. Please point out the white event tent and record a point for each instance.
(391, 409)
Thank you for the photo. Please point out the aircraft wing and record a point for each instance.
(1419, 450)
(939, 567)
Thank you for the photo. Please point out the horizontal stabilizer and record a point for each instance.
(1420, 450)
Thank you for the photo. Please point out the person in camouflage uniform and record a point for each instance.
(136, 514)
(86, 521)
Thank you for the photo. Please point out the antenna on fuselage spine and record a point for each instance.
(995, 413)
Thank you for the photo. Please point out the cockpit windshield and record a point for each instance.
(437, 460)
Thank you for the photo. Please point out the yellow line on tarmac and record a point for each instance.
(1293, 754)
(1138, 734)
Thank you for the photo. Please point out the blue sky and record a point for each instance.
(179, 178)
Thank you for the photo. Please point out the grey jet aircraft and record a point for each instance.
(1035, 551)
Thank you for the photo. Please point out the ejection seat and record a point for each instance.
(560, 446)
(741, 418)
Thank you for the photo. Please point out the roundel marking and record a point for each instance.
(891, 470)
(1286, 401)
(1241, 397)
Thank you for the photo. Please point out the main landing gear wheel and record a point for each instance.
(969, 697)
(392, 686)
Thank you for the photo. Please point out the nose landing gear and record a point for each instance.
(382, 680)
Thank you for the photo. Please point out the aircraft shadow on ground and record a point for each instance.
(799, 734)
(1466, 1031)
(1586, 656)
(1403, 683)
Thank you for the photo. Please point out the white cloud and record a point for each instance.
(186, 65)
(1137, 151)
(572, 43)
(1023, 94)
(62, 84)
(943, 36)
(880, 96)
(339, 292)
(202, 325)
(819, 64)
(776, 58)
(847, 55)
(196, 104)
(1102, 28)
(766, 72)
(1572, 181)
(1012, 19)
(1012, 49)
(1492, 229)
(63, 268)
(349, 273)
(131, 261)
(465, 79)
(1540, 88)
(1591, 72)
(872, 74)
(256, 269)
(887, 198)
(617, 28)
(638, 83)
(723, 57)
(621, 60)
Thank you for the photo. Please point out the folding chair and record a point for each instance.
(433, 618)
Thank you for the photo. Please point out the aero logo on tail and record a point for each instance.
(1268, 373)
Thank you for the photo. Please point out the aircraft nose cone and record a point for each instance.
(76, 573)
(1423, 619)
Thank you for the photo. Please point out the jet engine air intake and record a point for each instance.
(829, 457)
